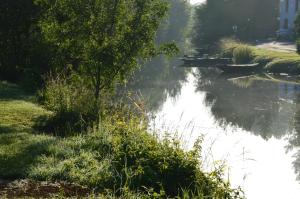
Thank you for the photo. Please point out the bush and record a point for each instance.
(71, 101)
(239, 52)
(242, 55)
(227, 47)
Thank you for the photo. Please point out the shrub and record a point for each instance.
(242, 54)
(227, 47)
(71, 101)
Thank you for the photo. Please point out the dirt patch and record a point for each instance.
(27, 188)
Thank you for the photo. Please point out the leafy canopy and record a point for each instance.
(103, 39)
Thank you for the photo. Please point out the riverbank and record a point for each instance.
(121, 160)
(270, 60)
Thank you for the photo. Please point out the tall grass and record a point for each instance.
(71, 101)
(242, 55)
(272, 61)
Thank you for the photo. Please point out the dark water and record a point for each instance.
(250, 125)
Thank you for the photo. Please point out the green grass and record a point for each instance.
(272, 61)
(19, 146)
(18, 112)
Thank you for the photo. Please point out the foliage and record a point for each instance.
(125, 155)
(39, 36)
(208, 24)
(24, 56)
(297, 26)
(217, 18)
(15, 19)
(99, 43)
(162, 70)
(71, 101)
(242, 55)
(120, 157)
(227, 46)
(175, 27)
(102, 39)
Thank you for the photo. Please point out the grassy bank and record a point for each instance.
(121, 160)
(271, 61)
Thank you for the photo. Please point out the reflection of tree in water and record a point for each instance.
(157, 80)
(262, 107)
(295, 138)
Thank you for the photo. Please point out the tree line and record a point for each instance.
(102, 40)
(243, 19)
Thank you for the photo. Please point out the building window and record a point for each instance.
(297, 5)
(286, 24)
(287, 2)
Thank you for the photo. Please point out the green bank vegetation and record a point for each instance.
(271, 61)
(120, 157)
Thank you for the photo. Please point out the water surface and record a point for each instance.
(249, 125)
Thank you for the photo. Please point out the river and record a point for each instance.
(250, 126)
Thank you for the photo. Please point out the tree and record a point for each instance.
(24, 54)
(103, 39)
(16, 19)
(161, 70)
(254, 19)
(297, 32)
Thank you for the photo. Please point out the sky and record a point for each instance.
(196, 1)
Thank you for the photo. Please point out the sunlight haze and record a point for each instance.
(150, 99)
(196, 1)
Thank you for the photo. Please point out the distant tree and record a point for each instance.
(209, 22)
(24, 55)
(174, 27)
(103, 39)
(244, 19)
(297, 32)
(16, 19)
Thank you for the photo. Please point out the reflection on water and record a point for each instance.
(157, 80)
(264, 108)
(250, 124)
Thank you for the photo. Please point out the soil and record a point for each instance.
(27, 188)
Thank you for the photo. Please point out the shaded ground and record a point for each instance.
(278, 46)
(21, 145)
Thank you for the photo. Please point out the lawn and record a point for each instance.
(19, 144)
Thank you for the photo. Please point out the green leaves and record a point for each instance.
(170, 49)
(105, 37)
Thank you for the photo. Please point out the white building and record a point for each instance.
(288, 10)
